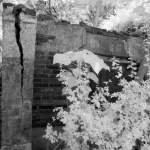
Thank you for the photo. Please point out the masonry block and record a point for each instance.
(20, 132)
(17, 147)
(19, 34)
(67, 37)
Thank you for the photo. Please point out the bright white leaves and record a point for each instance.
(96, 63)
(69, 78)
(76, 72)
(65, 75)
(88, 57)
(93, 77)
(61, 59)
(104, 126)
(51, 134)
(72, 82)
(82, 56)
(65, 91)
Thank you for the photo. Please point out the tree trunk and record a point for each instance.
(98, 11)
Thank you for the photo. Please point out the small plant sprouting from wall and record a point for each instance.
(93, 122)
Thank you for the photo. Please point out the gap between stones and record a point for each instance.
(17, 12)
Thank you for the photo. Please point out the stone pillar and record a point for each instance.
(18, 43)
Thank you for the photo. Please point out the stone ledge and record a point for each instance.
(18, 147)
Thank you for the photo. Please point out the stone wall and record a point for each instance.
(61, 37)
(18, 44)
(57, 37)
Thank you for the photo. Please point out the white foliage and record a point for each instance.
(61, 59)
(128, 13)
(109, 126)
(96, 63)
(92, 76)
(88, 57)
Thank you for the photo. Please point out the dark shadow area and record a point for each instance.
(106, 75)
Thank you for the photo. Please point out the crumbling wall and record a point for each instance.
(52, 38)
(18, 43)
(57, 37)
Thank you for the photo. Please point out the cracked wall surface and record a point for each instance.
(19, 32)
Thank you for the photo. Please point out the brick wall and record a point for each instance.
(52, 38)
(47, 89)
(61, 37)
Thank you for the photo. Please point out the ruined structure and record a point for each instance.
(18, 43)
(58, 37)
(26, 79)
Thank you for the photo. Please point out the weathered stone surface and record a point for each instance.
(17, 147)
(135, 48)
(30, 4)
(71, 37)
(16, 130)
(67, 38)
(28, 78)
(19, 32)
(105, 45)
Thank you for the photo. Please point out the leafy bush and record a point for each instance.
(93, 122)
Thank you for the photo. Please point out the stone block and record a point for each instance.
(27, 104)
(104, 45)
(11, 73)
(9, 103)
(134, 46)
(9, 41)
(19, 31)
(28, 36)
(11, 113)
(67, 37)
(16, 130)
(18, 147)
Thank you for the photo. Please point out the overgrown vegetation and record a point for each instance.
(94, 123)
(113, 14)
(130, 17)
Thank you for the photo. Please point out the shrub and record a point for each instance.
(93, 122)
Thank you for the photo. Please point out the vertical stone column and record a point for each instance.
(19, 32)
